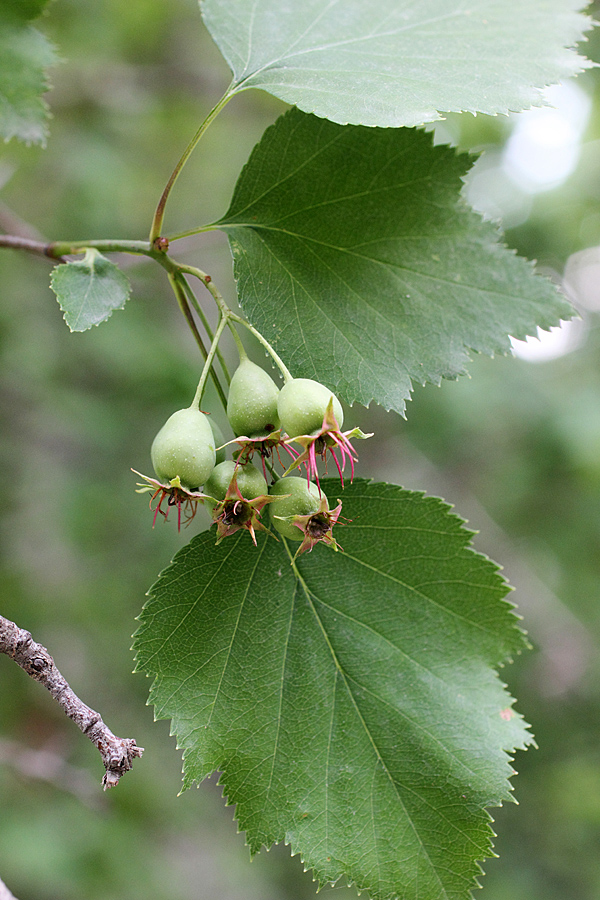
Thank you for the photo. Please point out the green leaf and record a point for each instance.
(89, 290)
(399, 62)
(351, 704)
(22, 10)
(25, 54)
(357, 258)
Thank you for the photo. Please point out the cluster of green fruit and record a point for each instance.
(192, 469)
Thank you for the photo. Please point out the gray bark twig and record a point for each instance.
(117, 753)
(40, 248)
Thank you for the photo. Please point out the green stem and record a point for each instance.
(271, 469)
(195, 404)
(58, 249)
(226, 311)
(295, 568)
(175, 270)
(209, 285)
(157, 221)
(192, 231)
(184, 306)
(240, 347)
(287, 375)
(64, 248)
(202, 315)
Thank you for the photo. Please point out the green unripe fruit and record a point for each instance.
(303, 500)
(252, 401)
(185, 448)
(302, 405)
(250, 481)
(219, 441)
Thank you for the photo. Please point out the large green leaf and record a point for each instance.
(355, 255)
(89, 290)
(351, 704)
(398, 62)
(25, 54)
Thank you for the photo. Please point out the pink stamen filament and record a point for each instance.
(279, 457)
(347, 450)
(332, 451)
(156, 511)
(311, 468)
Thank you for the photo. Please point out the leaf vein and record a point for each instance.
(367, 731)
(235, 630)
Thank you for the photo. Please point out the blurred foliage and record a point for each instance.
(516, 447)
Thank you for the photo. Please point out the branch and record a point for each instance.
(117, 753)
(40, 248)
(57, 250)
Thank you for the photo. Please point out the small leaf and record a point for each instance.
(399, 62)
(350, 702)
(356, 256)
(89, 290)
(25, 54)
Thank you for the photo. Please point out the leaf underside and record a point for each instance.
(89, 290)
(356, 256)
(352, 707)
(399, 62)
(25, 55)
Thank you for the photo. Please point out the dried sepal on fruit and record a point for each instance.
(318, 527)
(302, 403)
(329, 438)
(266, 446)
(292, 496)
(250, 481)
(172, 494)
(183, 456)
(301, 513)
(236, 511)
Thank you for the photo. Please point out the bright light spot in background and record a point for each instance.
(544, 147)
(559, 341)
(491, 192)
(541, 153)
(582, 279)
(581, 283)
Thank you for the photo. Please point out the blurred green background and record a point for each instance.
(516, 448)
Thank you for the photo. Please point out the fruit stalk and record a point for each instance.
(287, 375)
(195, 404)
(181, 280)
(159, 214)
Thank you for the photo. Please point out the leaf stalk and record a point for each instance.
(157, 221)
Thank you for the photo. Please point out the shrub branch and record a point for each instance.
(117, 753)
